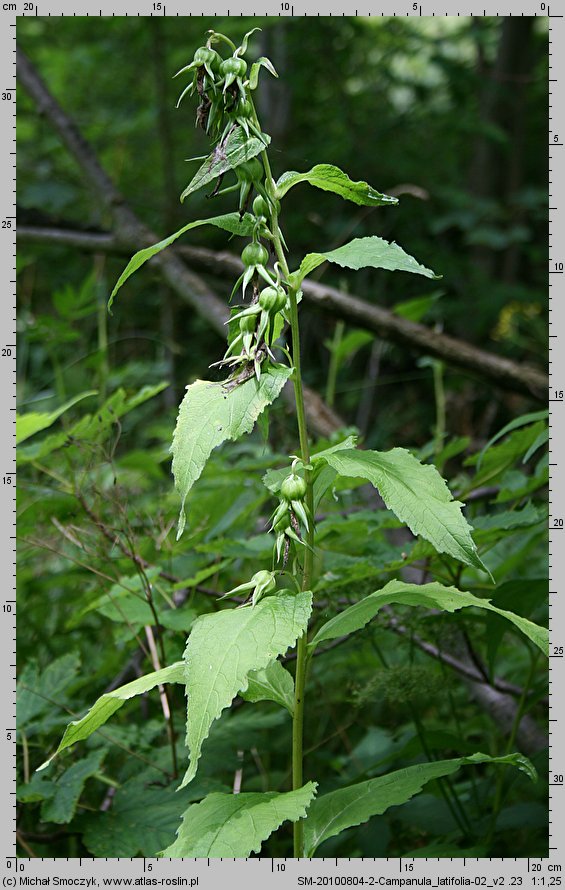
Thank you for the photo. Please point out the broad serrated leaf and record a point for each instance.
(225, 647)
(235, 825)
(417, 494)
(210, 414)
(324, 478)
(431, 596)
(110, 702)
(345, 445)
(332, 813)
(237, 148)
(230, 222)
(61, 806)
(361, 253)
(332, 179)
(273, 683)
(33, 422)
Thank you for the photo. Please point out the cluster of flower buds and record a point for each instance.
(225, 107)
(258, 327)
(290, 514)
(223, 86)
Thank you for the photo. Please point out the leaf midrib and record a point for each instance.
(449, 501)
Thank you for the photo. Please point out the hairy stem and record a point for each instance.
(301, 649)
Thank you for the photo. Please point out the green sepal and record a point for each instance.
(242, 49)
(187, 88)
(241, 588)
(279, 545)
(265, 275)
(230, 78)
(290, 533)
(300, 510)
(189, 67)
(235, 289)
(250, 310)
(256, 68)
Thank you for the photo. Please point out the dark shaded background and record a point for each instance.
(450, 113)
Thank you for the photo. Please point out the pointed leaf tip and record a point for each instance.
(224, 647)
(417, 494)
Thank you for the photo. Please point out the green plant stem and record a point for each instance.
(102, 326)
(25, 748)
(301, 650)
(302, 645)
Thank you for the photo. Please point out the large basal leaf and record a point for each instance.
(332, 813)
(235, 825)
(332, 179)
(431, 596)
(210, 414)
(224, 647)
(110, 702)
(230, 222)
(273, 683)
(237, 149)
(33, 422)
(363, 252)
(417, 494)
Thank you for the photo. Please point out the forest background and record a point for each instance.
(448, 114)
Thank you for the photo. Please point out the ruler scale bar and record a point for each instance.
(556, 185)
(491, 873)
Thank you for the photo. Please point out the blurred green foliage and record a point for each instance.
(451, 114)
